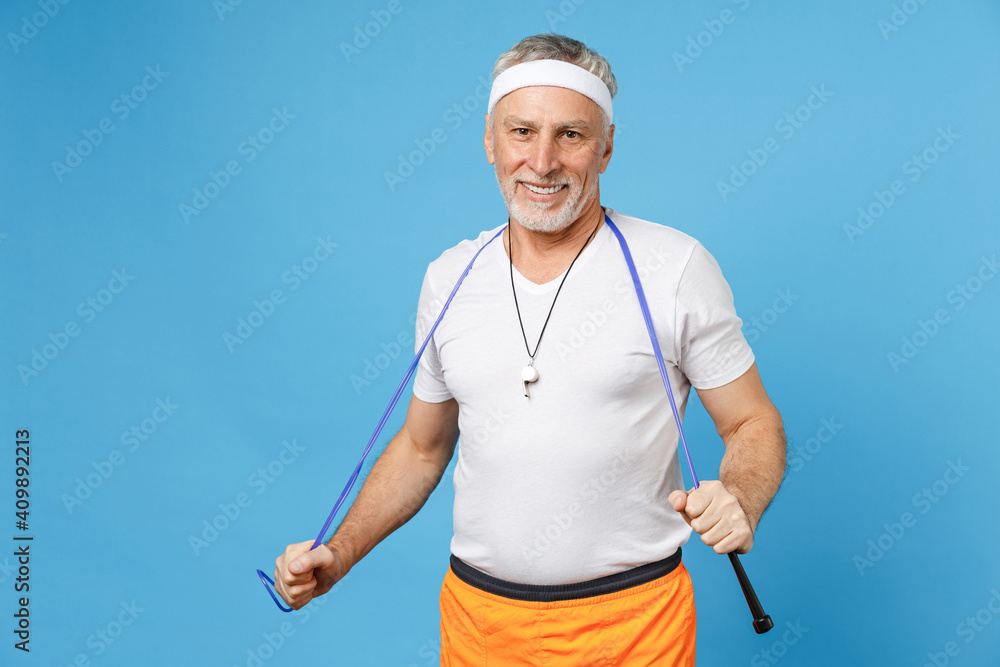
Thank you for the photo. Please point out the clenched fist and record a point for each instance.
(301, 575)
(716, 515)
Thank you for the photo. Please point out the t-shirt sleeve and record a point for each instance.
(429, 384)
(712, 348)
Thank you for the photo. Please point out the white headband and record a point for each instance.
(556, 73)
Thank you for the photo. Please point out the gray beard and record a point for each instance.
(539, 217)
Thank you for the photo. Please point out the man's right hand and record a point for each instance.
(397, 486)
(301, 575)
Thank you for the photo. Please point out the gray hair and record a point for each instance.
(550, 46)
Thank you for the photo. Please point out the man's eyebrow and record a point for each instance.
(576, 123)
(511, 121)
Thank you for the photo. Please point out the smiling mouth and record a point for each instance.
(543, 191)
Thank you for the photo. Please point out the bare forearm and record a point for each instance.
(398, 486)
(754, 464)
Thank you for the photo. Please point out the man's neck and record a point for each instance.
(543, 256)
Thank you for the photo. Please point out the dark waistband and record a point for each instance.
(558, 592)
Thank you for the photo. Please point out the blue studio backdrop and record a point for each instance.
(214, 222)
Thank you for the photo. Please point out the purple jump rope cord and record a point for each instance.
(656, 345)
(266, 580)
(269, 583)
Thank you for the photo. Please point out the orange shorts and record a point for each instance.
(652, 623)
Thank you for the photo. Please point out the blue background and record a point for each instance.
(352, 115)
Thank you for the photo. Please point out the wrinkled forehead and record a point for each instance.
(541, 74)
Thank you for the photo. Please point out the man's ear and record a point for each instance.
(488, 142)
(608, 149)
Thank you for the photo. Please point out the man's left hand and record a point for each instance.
(716, 515)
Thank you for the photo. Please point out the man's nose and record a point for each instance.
(544, 157)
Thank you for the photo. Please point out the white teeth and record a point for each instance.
(543, 191)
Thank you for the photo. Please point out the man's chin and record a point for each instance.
(549, 228)
(530, 220)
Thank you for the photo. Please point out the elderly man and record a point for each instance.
(569, 504)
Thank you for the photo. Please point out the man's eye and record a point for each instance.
(522, 131)
(572, 134)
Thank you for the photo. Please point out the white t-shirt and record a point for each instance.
(571, 484)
